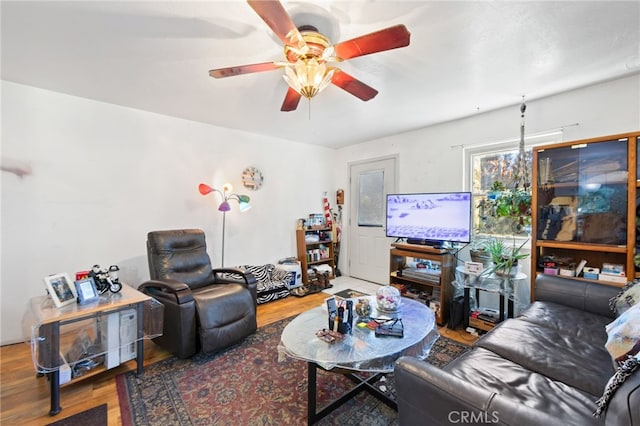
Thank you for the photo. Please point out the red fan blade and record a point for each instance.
(387, 39)
(353, 86)
(243, 69)
(291, 100)
(276, 17)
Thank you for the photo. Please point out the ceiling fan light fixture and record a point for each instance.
(307, 53)
(308, 77)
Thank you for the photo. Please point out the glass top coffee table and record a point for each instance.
(360, 351)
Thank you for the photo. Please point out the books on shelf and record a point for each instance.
(612, 269)
(484, 319)
(621, 279)
(431, 276)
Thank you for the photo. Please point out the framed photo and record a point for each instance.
(87, 292)
(61, 289)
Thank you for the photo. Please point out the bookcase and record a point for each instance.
(315, 247)
(584, 209)
(423, 273)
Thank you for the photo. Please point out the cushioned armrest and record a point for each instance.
(180, 290)
(246, 276)
(429, 395)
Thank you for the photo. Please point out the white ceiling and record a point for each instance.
(464, 57)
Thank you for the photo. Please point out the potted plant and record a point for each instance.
(505, 258)
(478, 250)
(506, 209)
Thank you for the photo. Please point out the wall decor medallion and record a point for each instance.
(252, 178)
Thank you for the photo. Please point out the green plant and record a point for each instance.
(508, 206)
(478, 250)
(505, 257)
(478, 244)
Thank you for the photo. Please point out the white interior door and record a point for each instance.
(370, 181)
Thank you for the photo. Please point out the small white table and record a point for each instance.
(52, 328)
(505, 287)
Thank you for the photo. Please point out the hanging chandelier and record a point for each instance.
(307, 72)
(308, 76)
(523, 181)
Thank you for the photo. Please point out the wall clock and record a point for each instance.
(252, 178)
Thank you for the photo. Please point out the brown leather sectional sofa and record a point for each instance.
(548, 366)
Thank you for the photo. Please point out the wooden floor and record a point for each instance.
(24, 398)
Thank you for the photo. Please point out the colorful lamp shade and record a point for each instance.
(204, 189)
(226, 195)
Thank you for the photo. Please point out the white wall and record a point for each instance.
(431, 158)
(104, 175)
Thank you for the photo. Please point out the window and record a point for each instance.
(498, 207)
(371, 200)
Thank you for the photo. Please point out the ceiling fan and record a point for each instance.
(308, 52)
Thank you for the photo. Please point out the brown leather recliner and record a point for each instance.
(203, 311)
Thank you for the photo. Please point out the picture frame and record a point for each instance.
(61, 289)
(87, 291)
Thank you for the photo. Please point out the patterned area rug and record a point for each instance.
(350, 294)
(249, 385)
(96, 416)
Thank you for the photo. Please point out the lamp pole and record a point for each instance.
(224, 207)
(224, 217)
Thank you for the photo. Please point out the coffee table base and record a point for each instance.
(361, 384)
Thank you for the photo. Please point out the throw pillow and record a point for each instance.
(262, 273)
(623, 335)
(628, 296)
(625, 370)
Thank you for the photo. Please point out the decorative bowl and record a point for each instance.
(388, 298)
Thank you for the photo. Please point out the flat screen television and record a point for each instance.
(430, 218)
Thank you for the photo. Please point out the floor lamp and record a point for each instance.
(224, 207)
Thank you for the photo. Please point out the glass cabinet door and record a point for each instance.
(582, 193)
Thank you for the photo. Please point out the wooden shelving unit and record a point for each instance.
(438, 281)
(316, 246)
(591, 187)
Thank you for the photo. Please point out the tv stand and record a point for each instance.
(421, 248)
(431, 286)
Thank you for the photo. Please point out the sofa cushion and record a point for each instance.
(564, 358)
(220, 305)
(487, 370)
(582, 295)
(568, 321)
